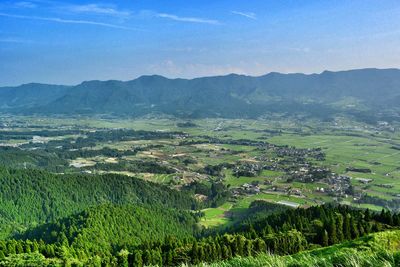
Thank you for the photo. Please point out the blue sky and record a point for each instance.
(66, 42)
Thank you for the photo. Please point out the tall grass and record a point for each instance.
(349, 258)
(375, 250)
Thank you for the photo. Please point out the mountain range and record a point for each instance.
(363, 93)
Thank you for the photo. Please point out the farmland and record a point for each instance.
(229, 163)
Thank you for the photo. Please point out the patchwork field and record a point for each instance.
(290, 161)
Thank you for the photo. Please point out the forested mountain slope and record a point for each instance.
(135, 235)
(355, 92)
(30, 95)
(30, 197)
(111, 227)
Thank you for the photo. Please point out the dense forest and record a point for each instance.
(31, 197)
(113, 220)
(109, 228)
(133, 236)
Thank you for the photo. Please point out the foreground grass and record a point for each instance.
(345, 258)
(380, 249)
(375, 250)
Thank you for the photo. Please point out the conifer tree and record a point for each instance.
(325, 238)
(332, 232)
(346, 227)
(137, 260)
(339, 227)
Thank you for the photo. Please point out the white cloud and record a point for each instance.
(24, 4)
(98, 9)
(67, 21)
(188, 19)
(15, 40)
(249, 15)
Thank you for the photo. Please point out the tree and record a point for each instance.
(2, 256)
(239, 245)
(123, 258)
(137, 260)
(259, 245)
(27, 247)
(157, 258)
(353, 228)
(248, 248)
(325, 238)
(346, 227)
(226, 252)
(19, 249)
(195, 253)
(35, 246)
(332, 232)
(169, 258)
(339, 227)
(202, 254)
(147, 257)
(367, 215)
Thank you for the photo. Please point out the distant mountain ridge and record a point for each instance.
(363, 91)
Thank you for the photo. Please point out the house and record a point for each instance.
(364, 180)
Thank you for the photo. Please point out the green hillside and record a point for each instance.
(378, 249)
(31, 197)
(137, 235)
(109, 228)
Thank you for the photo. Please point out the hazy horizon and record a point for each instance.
(199, 77)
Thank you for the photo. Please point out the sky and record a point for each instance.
(67, 42)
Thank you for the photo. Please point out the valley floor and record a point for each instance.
(294, 161)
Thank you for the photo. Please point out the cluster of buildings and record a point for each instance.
(247, 169)
(339, 186)
(308, 173)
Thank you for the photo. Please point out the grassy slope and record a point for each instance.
(379, 249)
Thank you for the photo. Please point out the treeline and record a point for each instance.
(392, 204)
(217, 193)
(106, 229)
(205, 139)
(259, 209)
(215, 170)
(136, 166)
(17, 158)
(89, 153)
(126, 135)
(171, 251)
(285, 232)
(54, 159)
(30, 197)
(28, 135)
(322, 225)
(174, 253)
